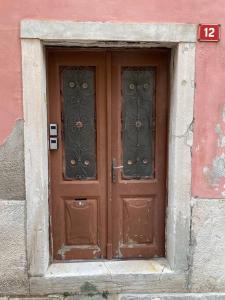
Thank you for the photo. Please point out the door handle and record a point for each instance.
(114, 168)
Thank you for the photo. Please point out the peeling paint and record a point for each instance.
(64, 250)
(216, 171)
(224, 113)
(221, 136)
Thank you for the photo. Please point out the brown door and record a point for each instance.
(107, 186)
(139, 102)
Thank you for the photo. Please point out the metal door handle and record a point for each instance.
(114, 168)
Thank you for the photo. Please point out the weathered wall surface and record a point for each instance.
(207, 270)
(13, 264)
(207, 267)
(13, 268)
(210, 66)
(12, 165)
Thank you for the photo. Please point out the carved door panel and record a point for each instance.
(107, 187)
(78, 167)
(139, 111)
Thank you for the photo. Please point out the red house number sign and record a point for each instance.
(209, 32)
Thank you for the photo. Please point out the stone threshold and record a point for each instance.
(179, 296)
(109, 277)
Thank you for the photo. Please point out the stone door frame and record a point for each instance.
(167, 274)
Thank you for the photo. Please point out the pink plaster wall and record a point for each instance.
(210, 66)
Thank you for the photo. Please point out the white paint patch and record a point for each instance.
(222, 142)
(216, 171)
(224, 114)
(221, 136)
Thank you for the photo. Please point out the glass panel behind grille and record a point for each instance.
(138, 122)
(79, 123)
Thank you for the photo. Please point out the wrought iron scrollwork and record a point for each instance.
(138, 115)
(79, 123)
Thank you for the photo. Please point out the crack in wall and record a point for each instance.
(187, 131)
(191, 250)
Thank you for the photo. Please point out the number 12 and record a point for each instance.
(209, 32)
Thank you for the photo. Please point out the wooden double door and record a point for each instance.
(108, 173)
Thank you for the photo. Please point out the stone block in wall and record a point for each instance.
(94, 297)
(13, 268)
(207, 271)
(198, 296)
(12, 180)
(35, 298)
